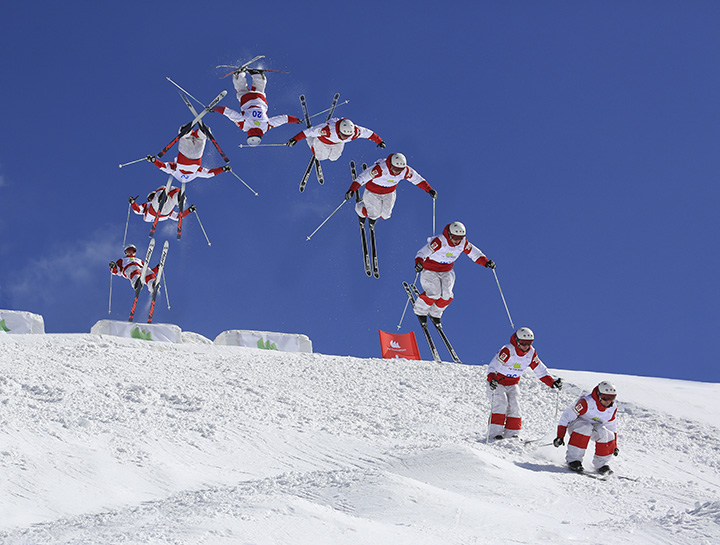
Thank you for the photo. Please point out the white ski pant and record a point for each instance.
(241, 87)
(505, 417)
(375, 205)
(581, 433)
(192, 147)
(438, 293)
(323, 151)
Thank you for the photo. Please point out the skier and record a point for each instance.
(435, 261)
(149, 209)
(187, 165)
(328, 139)
(253, 118)
(504, 372)
(130, 267)
(380, 183)
(591, 417)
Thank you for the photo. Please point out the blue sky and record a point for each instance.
(576, 140)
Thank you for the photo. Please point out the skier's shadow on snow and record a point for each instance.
(550, 468)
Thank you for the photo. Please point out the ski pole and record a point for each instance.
(126, 224)
(203, 229)
(184, 91)
(433, 231)
(503, 299)
(239, 178)
(110, 299)
(492, 407)
(407, 302)
(131, 162)
(324, 222)
(327, 110)
(258, 145)
(167, 296)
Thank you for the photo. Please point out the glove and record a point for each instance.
(490, 264)
(113, 265)
(433, 193)
(290, 143)
(150, 158)
(381, 145)
(299, 120)
(192, 208)
(616, 451)
(349, 193)
(418, 266)
(226, 168)
(131, 199)
(558, 441)
(493, 384)
(557, 384)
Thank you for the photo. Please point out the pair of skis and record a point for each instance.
(243, 67)
(313, 161)
(371, 263)
(156, 283)
(413, 293)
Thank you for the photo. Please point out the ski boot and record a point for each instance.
(576, 466)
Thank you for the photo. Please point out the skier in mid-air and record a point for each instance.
(188, 166)
(253, 118)
(504, 372)
(130, 267)
(380, 183)
(591, 417)
(435, 261)
(328, 139)
(150, 209)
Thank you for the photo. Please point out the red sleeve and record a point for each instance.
(299, 136)
(482, 260)
(136, 207)
(561, 431)
(354, 186)
(375, 138)
(424, 186)
(158, 163)
(547, 380)
(491, 377)
(215, 171)
(293, 119)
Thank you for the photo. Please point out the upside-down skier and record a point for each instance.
(504, 372)
(252, 117)
(188, 164)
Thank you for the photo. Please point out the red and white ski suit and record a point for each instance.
(588, 419)
(187, 165)
(149, 210)
(325, 141)
(507, 367)
(437, 277)
(252, 117)
(131, 268)
(380, 184)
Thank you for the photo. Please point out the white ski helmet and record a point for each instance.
(398, 160)
(457, 229)
(129, 247)
(525, 334)
(346, 127)
(254, 137)
(607, 388)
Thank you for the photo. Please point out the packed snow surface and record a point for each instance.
(107, 440)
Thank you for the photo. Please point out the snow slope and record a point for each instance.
(106, 440)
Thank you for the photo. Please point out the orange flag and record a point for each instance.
(395, 345)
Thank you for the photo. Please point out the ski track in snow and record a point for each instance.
(108, 440)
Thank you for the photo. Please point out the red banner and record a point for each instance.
(395, 345)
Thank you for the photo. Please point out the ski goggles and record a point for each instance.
(607, 397)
